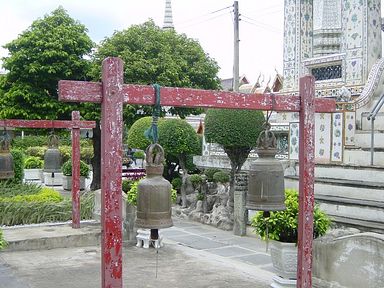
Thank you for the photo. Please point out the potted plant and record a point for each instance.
(67, 174)
(33, 168)
(281, 228)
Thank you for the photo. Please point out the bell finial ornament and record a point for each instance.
(266, 176)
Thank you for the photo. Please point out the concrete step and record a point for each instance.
(51, 236)
(363, 139)
(362, 157)
(355, 173)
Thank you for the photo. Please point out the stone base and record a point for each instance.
(56, 180)
(279, 282)
(143, 239)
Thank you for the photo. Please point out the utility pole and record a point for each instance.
(236, 47)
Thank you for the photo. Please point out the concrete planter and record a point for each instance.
(67, 182)
(284, 260)
(32, 174)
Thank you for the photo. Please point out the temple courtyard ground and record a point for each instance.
(194, 255)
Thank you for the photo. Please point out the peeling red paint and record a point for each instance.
(75, 170)
(75, 125)
(111, 168)
(306, 182)
(187, 97)
(112, 93)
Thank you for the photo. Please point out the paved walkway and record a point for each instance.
(195, 255)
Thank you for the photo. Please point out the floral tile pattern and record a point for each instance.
(337, 137)
(350, 120)
(293, 141)
(323, 137)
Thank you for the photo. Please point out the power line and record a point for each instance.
(206, 20)
(204, 15)
(257, 23)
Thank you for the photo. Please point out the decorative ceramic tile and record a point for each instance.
(349, 131)
(323, 137)
(294, 141)
(337, 137)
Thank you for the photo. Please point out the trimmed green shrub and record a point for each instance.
(18, 165)
(136, 138)
(65, 152)
(282, 225)
(3, 243)
(33, 162)
(86, 154)
(139, 154)
(176, 183)
(210, 172)
(132, 194)
(221, 177)
(196, 180)
(67, 168)
(36, 151)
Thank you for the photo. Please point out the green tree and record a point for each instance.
(51, 49)
(153, 55)
(179, 140)
(237, 132)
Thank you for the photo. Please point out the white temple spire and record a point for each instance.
(168, 20)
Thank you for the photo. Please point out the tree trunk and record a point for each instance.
(96, 160)
(232, 181)
(183, 182)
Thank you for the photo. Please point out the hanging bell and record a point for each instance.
(266, 176)
(6, 159)
(154, 193)
(52, 157)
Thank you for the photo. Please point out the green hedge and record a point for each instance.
(44, 195)
(18, 213)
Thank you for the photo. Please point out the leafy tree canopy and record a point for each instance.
(51, 49)
(153, 55)
(237, 131)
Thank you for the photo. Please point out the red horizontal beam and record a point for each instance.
(16, 123)
(77, 91)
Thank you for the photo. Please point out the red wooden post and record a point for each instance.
(306, 182)
(75, 169)
(111, 166)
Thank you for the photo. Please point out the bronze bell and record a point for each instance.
(6, 159)
(52, 157)
(266, 176)
(154, 193)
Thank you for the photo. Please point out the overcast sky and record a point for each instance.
(261, 26)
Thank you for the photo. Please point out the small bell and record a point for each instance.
(154, 194)
(6, 159)
(266, 176)
(52, 157)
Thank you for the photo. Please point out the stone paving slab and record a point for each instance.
(231, 251)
